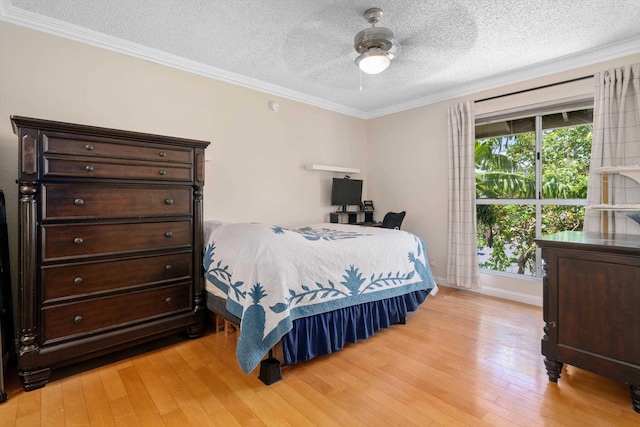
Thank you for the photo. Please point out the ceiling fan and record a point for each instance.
(374, 44)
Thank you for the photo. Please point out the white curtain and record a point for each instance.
(462, 260)
(616, 142)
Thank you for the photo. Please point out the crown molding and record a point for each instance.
(567, 63)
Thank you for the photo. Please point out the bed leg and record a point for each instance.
(219, 323)
(403, 320)
(229, 327)
(635, 397)
(270, 370)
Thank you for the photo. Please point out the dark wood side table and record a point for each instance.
(591, 305)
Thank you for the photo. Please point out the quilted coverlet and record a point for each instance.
(272, 275)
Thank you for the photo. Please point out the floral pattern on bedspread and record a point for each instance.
(272, 275)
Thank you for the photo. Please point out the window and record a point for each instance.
(532, 173)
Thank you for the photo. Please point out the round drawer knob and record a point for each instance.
(168, 234)
(163, 172)
(78, 241)
(78, 280)
(168, 201)
(78, 319)
(168, 300)
(78, 202)
(162, 154)
(88, 168)
(168, 267)
(88, 147)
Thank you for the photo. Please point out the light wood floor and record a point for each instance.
(462, 359)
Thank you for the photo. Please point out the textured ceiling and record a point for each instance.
(303, 49)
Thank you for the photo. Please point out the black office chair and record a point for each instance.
(393, 220)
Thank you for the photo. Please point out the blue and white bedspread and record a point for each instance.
(272, 275)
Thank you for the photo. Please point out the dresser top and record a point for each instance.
(41, 124)
(591, 241)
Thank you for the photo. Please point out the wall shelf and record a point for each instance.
(632, 172)
(331, 169)
(632, 211)
(617, 208)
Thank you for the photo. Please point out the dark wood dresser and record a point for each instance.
(110, 249)
(591, 293)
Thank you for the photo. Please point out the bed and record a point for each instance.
(312, 289)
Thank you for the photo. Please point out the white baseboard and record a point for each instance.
(498, 293)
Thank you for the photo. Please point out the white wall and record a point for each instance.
(256, 172)
(408, 167)
(408, 171)
(258, 157)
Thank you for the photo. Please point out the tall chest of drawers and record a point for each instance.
(110, 248)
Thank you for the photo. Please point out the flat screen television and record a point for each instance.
(345, 192)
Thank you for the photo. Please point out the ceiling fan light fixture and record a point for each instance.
(373, 44)
(374, 61)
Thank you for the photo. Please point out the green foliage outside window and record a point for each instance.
(505, 169)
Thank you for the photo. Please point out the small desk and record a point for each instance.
(344, 217)
(352, 217)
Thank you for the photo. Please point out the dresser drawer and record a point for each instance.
(86, 167)
(66, 201)
(63, 281)
(93, 315)
(83, 240)
(61, 144)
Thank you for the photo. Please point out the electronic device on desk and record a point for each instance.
(366, 206)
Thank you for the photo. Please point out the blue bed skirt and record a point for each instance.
(328, 332)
